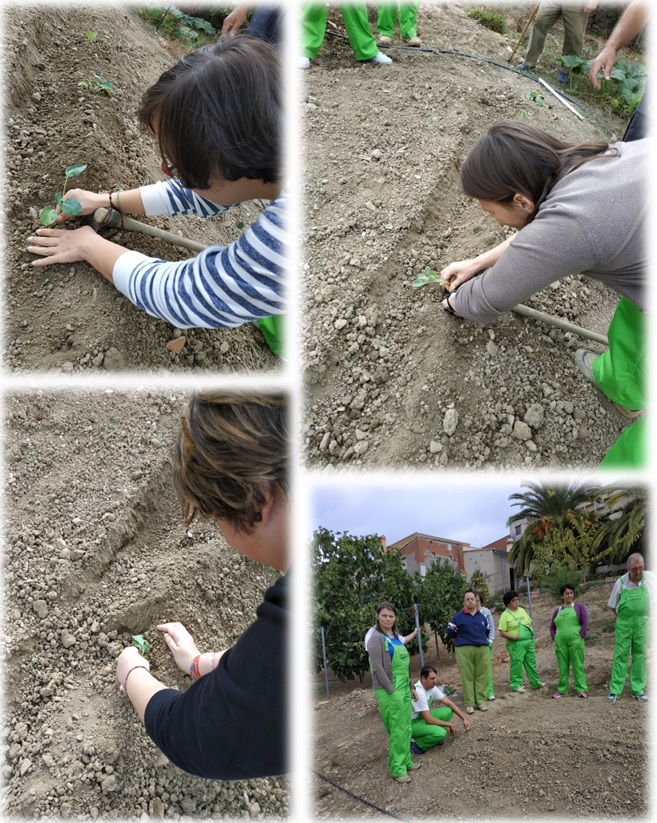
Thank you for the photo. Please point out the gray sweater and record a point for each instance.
(593, 221)
(381, 664)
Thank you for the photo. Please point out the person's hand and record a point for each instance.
(234, 21)
(466, 724)
(451, 727)
(413, 694)
(458, 272)
(89, 200)
(181, 644)
(411, 635)
(128, 659)
(589, 6)
(60, 245)
(605, 60)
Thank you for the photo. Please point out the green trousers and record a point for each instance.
(395, 711)
(631, 639)
(387, 17)
(427, 735)
(313, 28)
(570, 652)
(474, 664)
(273, 330)
(574, 23)
(490, 691)
(523, 655)
(620, 373)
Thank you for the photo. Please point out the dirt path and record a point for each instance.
(527, 755)
(385, 365)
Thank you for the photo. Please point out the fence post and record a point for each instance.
(419, 634)
(529, 598)
(326, 680)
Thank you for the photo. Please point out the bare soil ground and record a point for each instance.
(391, 379)
(67, 317)
(528, 755)
(95, 551)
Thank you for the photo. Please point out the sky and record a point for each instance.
(464, 508)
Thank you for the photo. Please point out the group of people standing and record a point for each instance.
(413, 726)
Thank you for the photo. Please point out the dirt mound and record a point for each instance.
(391, 379)
(68, 317)
(96, 552)
(527, 755)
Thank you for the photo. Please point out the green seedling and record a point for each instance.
(91, 36)
(141, 643)
(48, 215)
(536, 96)
(96, 83)
(428, 276)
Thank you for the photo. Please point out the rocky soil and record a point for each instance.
(67, 317)
(95, 551)
(528, 755)
(391, 379)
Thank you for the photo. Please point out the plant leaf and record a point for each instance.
(75, 169)
(141, 643)
(58, 198)
(47, 216)
(71, 206)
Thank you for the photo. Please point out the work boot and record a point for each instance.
(562, 77)
(403, 778)
(412, 41)
(524, 67)
(384, 40)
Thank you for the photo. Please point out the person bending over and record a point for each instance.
(429, 726)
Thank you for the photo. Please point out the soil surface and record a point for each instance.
(68, 317)
(527, 755)
(96, 551)
(391, 379)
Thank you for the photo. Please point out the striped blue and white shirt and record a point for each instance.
(223, 286)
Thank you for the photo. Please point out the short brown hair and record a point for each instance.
(232, 451)
(218, 111)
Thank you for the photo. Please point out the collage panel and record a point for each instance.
(475, 245)
(480, 647)
(145, 646)
(145, 191)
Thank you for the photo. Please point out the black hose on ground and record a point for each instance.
(358, 797)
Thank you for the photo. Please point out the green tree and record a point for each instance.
(441, 596)
(479, 582)
(554, 512)
(623, 530)
(351, 576)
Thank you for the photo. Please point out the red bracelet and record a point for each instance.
(194, 671)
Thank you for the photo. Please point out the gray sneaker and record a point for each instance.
(584, 360)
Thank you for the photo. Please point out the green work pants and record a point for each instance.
(574, 23)
(427, 735)
(273, 330)
(490, 691)
(620, 374)
(523, 655)
(387, 17)
(631, 638)
(313, 28)
(570, 652)
(473, 663)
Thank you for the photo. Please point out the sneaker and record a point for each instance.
(382, 59)
(404, 778)
(414, 766)
(469, 709)
(412, 41)
(562, 78)
(524, 67)
(482, 707)
(540, 685)
(384, 40)
(584, 361)
(415, 749)
(612, 698)
(521, 690)
(640, 697)
(583, 694)
(557, 695)
(303, 62)
(491, 697)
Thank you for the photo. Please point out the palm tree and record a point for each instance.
(546, 509)
(624, 527)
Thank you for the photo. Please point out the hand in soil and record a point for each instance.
(458, 272)
(128, 659)
(89, 200)
(181, 644)
(59, 245)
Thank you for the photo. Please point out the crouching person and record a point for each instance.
(429, 726)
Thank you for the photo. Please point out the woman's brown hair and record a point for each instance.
(379, 609)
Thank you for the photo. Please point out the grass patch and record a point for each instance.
(492, 20)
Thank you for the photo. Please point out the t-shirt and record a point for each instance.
(424, 699)
(510, 621)
(625, 583)
(232, 723)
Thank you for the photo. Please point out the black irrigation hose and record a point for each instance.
(427, 50)
(358, 797)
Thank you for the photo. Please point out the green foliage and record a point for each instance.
(48, 214)
(521, 115)
(536, 96)
(175, 24)
(428, 276)
(626, 84)
(141, 643)
(96, 83)
(575, 64)
(622, 530)
(553, 580)
(441, 596)
(91, 36)
(479, 582)
(351, 576)
(493, 20)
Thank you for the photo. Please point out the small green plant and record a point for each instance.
(91, 36)
(522, 115)
(492, 20)
(96, 83)
(428, 276)
(536, 96)
(141, 643)
(175, 24)
(48, 214)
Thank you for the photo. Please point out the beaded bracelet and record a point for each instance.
(123, 689)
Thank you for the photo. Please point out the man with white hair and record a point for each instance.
(631, 600)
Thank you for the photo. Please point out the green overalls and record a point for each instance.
(273, 330)
(396, 711)
(387, 17)
(522, 653)
(313, 29)
(427, 735)
(569, 649)
(631, 636)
